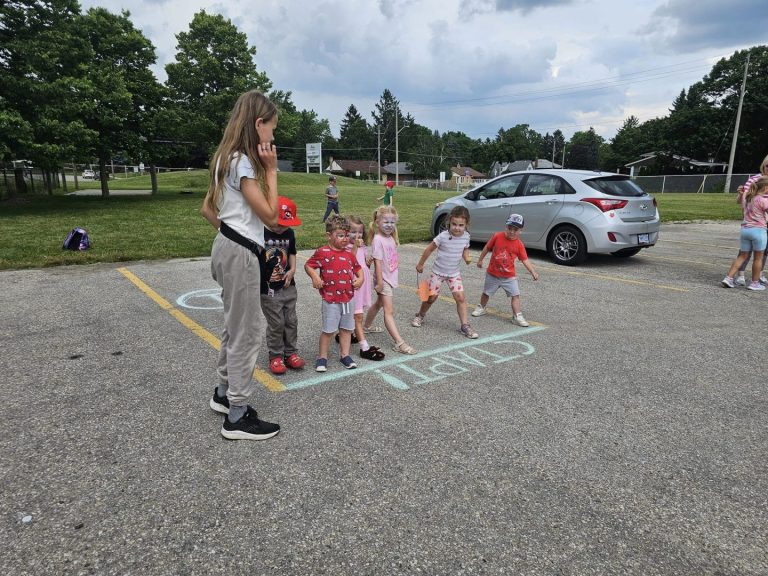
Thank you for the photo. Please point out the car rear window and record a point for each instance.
(616, 186)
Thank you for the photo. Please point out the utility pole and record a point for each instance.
(378, 149)
(736, 129)
(397, 150)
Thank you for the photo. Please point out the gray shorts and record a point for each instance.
(338, 317)
(493, 283)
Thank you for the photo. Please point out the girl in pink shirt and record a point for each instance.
(754, 236)
(383, 228)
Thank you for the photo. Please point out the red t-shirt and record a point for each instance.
(338, 269)
(503, 253)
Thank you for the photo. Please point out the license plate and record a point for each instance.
(643, 238)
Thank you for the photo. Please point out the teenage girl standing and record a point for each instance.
(383, 228)
(241, 199)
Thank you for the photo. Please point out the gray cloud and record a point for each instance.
(691, 25)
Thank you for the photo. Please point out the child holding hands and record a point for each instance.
(452, 246)
(504, 248)
(335, 272)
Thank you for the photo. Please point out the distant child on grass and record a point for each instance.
(278, 289)
(388, 199)
(383, 228)
(336, 274)
(452, 247)
(504, 248)
(754, 204)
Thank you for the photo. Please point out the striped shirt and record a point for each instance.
(450, 250)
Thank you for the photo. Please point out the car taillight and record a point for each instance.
(654, 203)
(606, 204)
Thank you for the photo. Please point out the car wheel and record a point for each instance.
(442, 224)
(567, 246)
(626, 253)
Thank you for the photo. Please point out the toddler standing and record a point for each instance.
(452, 246)
(504, 248)
(754, 204)
(278, 294)
(386, 264)
(336, 274)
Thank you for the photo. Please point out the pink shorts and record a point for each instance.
(436, 280)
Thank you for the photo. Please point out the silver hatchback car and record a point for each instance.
(568, 213)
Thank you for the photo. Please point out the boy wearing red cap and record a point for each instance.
(389, 194)
(278, 289)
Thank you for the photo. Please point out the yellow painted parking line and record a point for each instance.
(699, 244)
(611, 278)
(261, 376)
(683, 260)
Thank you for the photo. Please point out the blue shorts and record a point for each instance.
(753, 239)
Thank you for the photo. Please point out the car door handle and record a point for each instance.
(550, 202)
(506, 204)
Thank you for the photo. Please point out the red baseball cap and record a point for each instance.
(389, 184)
(286, 212)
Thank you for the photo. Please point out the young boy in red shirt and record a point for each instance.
(335, 272)
(504, 248)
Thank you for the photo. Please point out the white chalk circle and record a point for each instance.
(209, 299)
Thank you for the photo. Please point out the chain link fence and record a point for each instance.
(693, 183)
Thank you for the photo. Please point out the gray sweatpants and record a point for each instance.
(236, 270)
(282, 323)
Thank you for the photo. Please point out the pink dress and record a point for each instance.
(362, 299)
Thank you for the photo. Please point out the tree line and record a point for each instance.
(77, 86)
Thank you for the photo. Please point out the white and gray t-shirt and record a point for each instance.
(449, 252)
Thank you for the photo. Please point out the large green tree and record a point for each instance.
(583, 150)
(214, 65)
(356, 138)
(121, 84)
(43, 95)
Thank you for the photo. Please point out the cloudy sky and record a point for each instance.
(476, 65)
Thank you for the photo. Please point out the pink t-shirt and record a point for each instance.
(384, 249)
(755, 212)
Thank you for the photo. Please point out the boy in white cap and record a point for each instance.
(504, 248)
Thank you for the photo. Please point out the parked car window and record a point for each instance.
(616, 186)
(501, 188)
(545, 185)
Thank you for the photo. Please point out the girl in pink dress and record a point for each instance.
(362, 300)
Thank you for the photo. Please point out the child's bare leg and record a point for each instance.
(740, 259)
(359, 328)
(757, 264)
(345, 341)
(461, 307)
(425, 306)
(516, 306)
(484, 300)
(325, 342)
(389, 317)
(372, 311)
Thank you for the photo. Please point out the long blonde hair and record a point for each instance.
(759, 186)
(378, 213)
(240, 135)
(764, 167)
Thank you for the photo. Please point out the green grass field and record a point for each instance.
(169, 225)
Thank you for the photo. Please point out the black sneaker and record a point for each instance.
(219, 403)
(249, 427)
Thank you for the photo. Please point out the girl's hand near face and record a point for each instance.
(268, 156)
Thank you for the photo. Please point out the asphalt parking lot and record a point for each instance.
(624, 432)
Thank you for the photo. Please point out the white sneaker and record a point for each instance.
(727, 282)
(756, 286)
(479, 311)
(519, 320)
(763, 280)
(739, 280)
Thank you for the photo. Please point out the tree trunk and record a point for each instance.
(64, 179)
(153, 178)
(103, 177)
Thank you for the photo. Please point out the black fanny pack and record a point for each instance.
(235, 236)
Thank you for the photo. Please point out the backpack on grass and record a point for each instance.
(77, 239)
